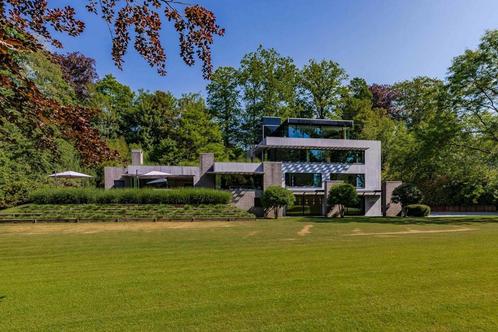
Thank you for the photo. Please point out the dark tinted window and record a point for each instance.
(357, 180)
(303, 179)
(239, 181)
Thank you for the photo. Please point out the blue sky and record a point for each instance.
(382, 41)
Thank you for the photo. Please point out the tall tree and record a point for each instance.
(79, 70)
(224, 103)
(473, 85)
(321, 86)
(269, 83)
(384, 96)
(153, 118)
(115, 102)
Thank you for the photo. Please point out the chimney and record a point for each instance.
(137, 157)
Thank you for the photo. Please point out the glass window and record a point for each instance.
(303, 180)
(357, 180)
(239, 181)
(316, 156)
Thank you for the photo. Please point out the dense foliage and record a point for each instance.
(129, 196)
(342, 194)
(142, 21)
(407, 194)
(276, 197)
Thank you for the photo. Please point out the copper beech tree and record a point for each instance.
(22, 103)
(140, 20)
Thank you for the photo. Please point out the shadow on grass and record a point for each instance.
(2, 297)
(401, 220)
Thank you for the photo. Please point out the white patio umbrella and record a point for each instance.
(70, 175)
(158, 181)
(154, 174)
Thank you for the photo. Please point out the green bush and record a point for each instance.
(342, 194)
(417, 210)
(275, 197)
(194, 196)
(407, 194)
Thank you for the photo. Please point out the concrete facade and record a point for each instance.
(209, 172)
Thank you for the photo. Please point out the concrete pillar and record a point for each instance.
(206, 165)
(373, 206)
(272, 176)
(112, 174)
(390, 209)
(137, 157)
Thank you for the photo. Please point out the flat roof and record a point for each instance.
(320, 122)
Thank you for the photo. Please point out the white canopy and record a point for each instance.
(70, 175)
(158, 181)
(154, 174)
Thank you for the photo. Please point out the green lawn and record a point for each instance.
(291, 274)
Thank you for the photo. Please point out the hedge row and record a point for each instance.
(193, 196)
(417, 210)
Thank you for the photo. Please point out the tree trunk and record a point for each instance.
(276, 212)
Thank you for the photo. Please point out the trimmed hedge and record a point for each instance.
(417, 210)
(193, 196)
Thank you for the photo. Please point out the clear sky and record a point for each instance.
(383, 41)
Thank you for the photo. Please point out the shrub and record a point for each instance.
(406, 194)
(276, 197)
(194, 196)
(342, 194)
(417, 210)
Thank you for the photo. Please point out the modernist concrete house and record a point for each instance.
(304, 155)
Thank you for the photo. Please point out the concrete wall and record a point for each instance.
(244, 199)
(112, 174)
(373, 206)
(272, 177)
(206, 165)
(389, 208)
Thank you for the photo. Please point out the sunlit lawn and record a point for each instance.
(290, 274)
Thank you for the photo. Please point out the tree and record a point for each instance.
(342, 194)
(152, 119)
(79, 71)
(384, 96)
(407, 194)
(321, 87)
(48, 77)
(276, 197)
(473, 85)
(196, 132)
(269, 83)
(115, 102)
(196, 27)
(224, 103)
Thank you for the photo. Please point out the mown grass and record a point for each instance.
(258, 275)
(111, 212)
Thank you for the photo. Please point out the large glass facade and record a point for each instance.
(317, 156)
(303, 180)
(239, 181)
(306, 205)
(357, 180)
(313, 131)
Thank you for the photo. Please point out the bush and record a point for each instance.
(194, 196)
(276, 197)
(407, 194)
(342, 194)
(417, 210)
